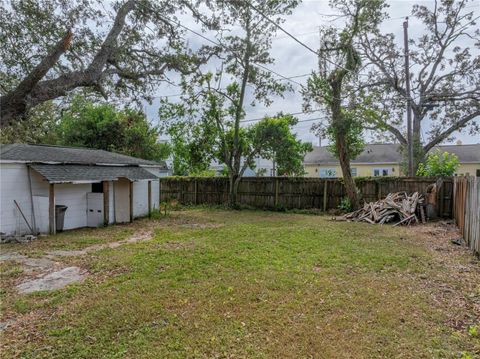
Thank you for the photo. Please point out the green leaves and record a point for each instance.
(438, 163)
(272, 138)
(102, 126)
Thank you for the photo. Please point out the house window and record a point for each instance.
(381, 171)
(354, 171)
(328, 172)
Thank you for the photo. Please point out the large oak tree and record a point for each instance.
(124, 48)
(445, 75)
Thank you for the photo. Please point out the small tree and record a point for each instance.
(104, 127)
(339, 64)
(438, 163)
(209, 117)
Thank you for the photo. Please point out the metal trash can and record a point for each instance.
(60, 217)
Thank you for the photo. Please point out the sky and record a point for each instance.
(292, 59)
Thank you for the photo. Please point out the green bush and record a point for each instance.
(345, 204)
(438, 164)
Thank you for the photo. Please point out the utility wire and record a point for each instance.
(290, 113)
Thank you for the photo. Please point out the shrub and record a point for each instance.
(438, 164)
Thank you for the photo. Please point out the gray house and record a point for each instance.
(97, 187)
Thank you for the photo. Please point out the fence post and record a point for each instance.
(325, 196)
(276, 193)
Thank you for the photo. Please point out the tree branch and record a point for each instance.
(17, 97)
(444, 135)
(31, 91)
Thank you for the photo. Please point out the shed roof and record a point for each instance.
(84, 173)
(71, 155)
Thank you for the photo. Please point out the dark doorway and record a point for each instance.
(97, 187)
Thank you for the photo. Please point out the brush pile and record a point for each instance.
(396, 207)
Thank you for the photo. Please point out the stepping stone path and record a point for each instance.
(51, 275)
(52, 281)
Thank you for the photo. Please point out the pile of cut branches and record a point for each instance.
(396, 207)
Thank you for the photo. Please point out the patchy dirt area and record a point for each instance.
(457, 285)
(45, 273)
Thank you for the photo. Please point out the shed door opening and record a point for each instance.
(94, 209)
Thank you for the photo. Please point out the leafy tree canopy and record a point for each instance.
(120, 48)
(40, 126)
(438, 163)
(102, 126)
(203, 133)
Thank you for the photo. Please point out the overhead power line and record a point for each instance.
(289, 113)
(297, 40)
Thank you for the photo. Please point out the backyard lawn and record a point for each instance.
(205, 283)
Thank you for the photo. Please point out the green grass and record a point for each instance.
(251, 284)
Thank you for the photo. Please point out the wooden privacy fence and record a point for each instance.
(466, 210)
(298, 192)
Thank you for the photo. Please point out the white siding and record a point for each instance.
(122, 201)
(14, 186)
(111, 202)
(140, 198)
(41, 213)
(74, 196)
(140, 193)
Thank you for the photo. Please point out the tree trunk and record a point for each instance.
(340, 137)
(234, 173)
(234, 181)
(350, 186)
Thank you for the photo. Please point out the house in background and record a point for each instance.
(96, 186)
(263, 168)
(384, 160)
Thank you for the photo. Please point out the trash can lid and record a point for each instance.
(60, 206)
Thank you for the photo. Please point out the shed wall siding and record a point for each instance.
(74, 196)
(14, 186)
(111, 203)
(140, 198)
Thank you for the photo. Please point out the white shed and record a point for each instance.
(98, 187)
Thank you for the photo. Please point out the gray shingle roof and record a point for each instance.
(79, 173)
(465, 153)
(376, 153)
(71, 155)
(390, 153)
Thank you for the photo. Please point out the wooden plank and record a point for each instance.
(106, 202)
(196, 192)
(275, 203)
(325, 195)
(52, 226)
